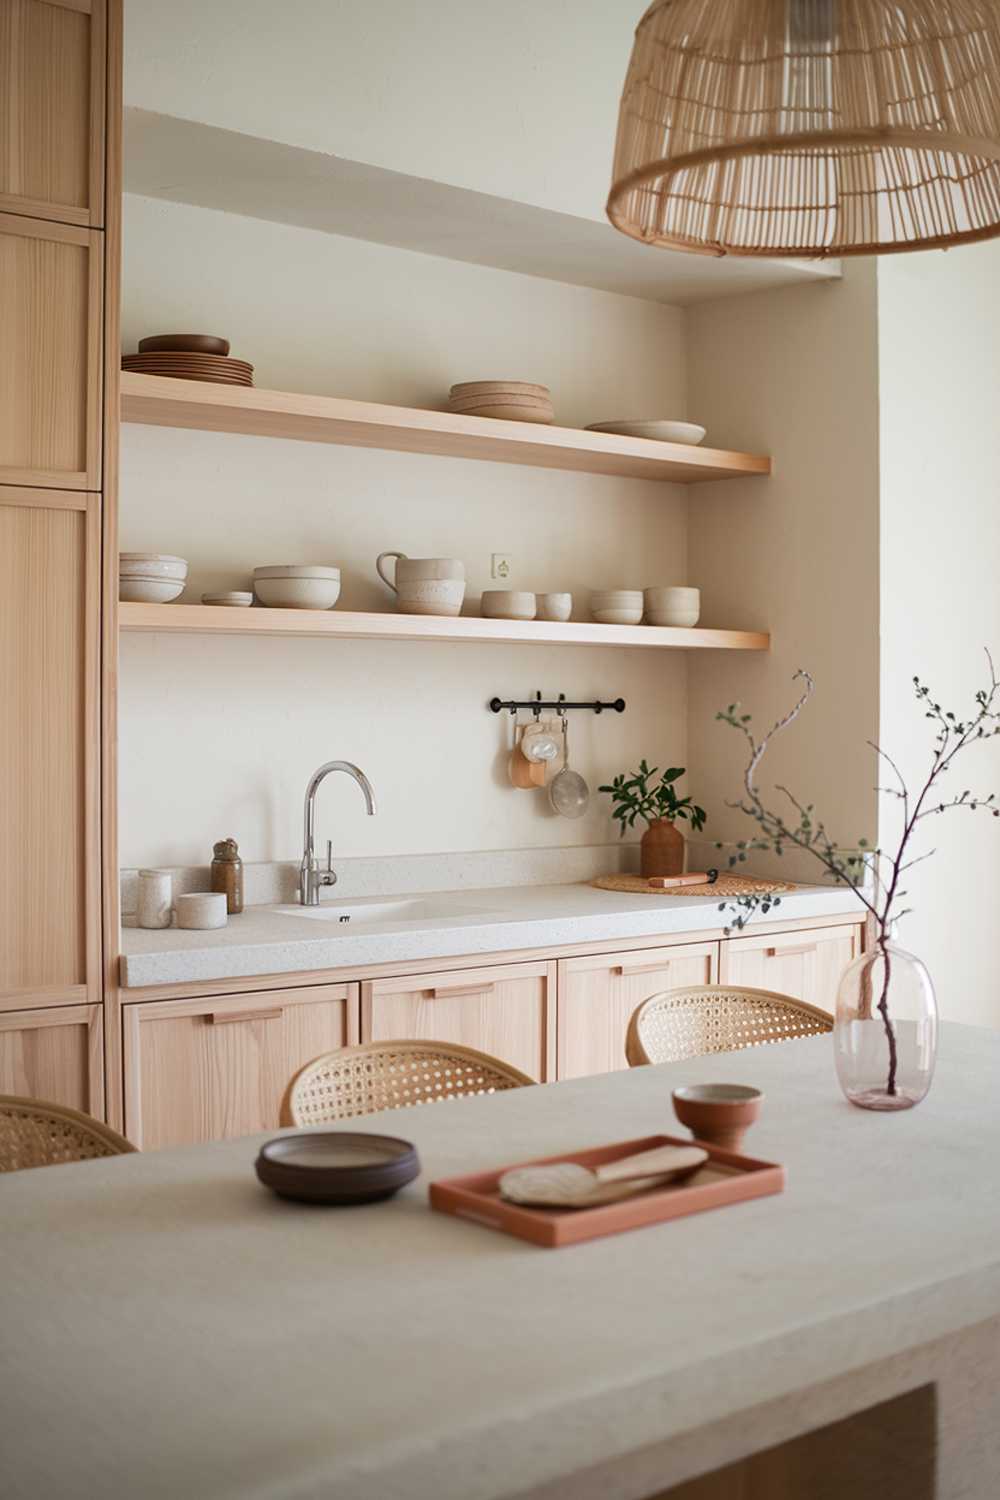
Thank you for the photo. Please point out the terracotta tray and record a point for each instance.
(725, 1178)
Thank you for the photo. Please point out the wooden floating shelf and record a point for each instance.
(210, 619)
(162, 402)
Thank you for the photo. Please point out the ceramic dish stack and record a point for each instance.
(150, 577)
(189, 356)
(297, 586)
(507, 400)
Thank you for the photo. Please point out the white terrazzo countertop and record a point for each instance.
(448, 924)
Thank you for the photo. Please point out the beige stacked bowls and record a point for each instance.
(297, 586)
(672, 606)
(508, 400)
(150, 577)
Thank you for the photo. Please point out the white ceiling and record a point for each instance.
(190, 162)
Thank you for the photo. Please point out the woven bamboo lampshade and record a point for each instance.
(810, 127)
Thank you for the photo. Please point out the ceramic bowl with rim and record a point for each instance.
(616, 606)
(672, 606)
(337, 1166)
(151, 565)
(720, 1113)
(297, 586)
(659, 432)
(508, 604)
(555, 606)
(149, 590)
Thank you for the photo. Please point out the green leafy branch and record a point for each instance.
(637, 795)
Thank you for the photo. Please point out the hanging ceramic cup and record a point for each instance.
(425, 585)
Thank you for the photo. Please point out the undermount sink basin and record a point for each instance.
(403, 909)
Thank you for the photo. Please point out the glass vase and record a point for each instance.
(885, 1031)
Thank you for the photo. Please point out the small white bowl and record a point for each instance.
(149, 590)
(508, 604)
(555, 606)
(236, 599)
(151, 565)
(202, 910)
(297, 593)
(672, 606)
(616, 606)
(659, 432)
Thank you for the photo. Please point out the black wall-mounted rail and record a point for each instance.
(538, 703)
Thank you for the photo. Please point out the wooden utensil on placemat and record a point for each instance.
(670, 882)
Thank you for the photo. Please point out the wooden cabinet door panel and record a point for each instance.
(205, 1070)
(506, 1012)
(54, 1055)
(598, 994)
(51, 293)
(52, 109)
(49, 897)
(806, 965)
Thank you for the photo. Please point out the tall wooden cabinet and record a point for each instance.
(59, 81)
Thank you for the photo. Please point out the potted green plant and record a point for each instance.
(638, 794)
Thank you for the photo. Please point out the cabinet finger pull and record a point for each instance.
(221, 1017)
(445, 992)
(626, 969)
(791, 949)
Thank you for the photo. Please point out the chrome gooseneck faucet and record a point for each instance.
(311, 877)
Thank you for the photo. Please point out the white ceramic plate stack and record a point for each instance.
(150, 577)
(659, 432)
(617, 606)
(297, 586)
(672, 606)
(507, 400)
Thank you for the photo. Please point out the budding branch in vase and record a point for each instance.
(803, 830)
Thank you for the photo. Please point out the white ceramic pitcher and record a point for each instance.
(425, 585)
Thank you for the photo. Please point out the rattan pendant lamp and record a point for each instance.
(810, 127)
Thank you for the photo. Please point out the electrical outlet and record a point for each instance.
(500, 565)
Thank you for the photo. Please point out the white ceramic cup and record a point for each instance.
(507, 604)
(202, 910)
(425, 585)
(672, 606)
(555, 606)
(154, 902)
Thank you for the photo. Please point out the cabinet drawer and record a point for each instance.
(54, 1055)
(51, 292)
(806, 965)
(204, 1070)
(506, 1012)
(597, 996)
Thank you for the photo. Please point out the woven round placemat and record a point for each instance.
(726, 885)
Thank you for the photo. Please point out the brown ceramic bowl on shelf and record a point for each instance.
(191, 367)
(720, 1113)
(186, 343)
(337, 1166)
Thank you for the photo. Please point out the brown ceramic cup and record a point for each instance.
(719, 1113)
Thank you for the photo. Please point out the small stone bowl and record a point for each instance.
(719, 1113)
(201, 910)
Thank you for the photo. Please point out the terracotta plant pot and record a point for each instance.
(662, 849)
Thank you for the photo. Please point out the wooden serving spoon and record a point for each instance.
(565, 1184)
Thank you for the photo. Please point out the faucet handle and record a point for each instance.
(329, 856)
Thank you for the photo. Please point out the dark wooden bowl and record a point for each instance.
(337, 1166)
(187, 343)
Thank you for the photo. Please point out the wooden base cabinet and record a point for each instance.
(55, 1054)
(805, 965)
(205, 1070)
(598, 994)
(508, 1012)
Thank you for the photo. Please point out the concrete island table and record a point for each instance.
(169, 1328)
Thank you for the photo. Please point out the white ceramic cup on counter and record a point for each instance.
(425, 585)
(155, 899)
(555, 606)
(202, 910)
(672, 606)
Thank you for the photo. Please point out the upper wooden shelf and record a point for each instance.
(211, 619)
(160, 402)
